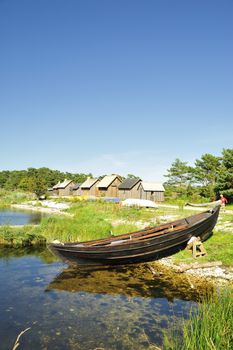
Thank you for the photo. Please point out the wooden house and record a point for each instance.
(77, 189)
(64, 188)
(89, 187)
(152, 191)
(129, 188)
(108, 186)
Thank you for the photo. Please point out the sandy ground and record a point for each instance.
(47, 206)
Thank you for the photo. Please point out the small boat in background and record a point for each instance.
(202, 205)
(149, 244)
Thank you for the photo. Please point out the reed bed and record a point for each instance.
(7, 198)
(210, 326)
(21, 236)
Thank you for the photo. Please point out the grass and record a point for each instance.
(98, 219)
(209, 326)
(7, 198)
(20, 237)
(219, 247)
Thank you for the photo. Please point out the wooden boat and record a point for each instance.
(202, 205)
(145, 245)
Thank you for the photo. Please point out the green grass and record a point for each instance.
(7, 198)
(210, 326)
(219, 248)
(98, 219)
(20, 237)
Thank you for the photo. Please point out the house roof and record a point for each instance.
(63, 184)
(56, 186)
(77, 186)
(89, 183)
(107, 180)
(128, 184)
(153, 186)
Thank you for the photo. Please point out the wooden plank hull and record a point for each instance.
(145, 245)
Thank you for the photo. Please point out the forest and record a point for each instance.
(210, 176)
(205, 180)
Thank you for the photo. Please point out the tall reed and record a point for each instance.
(210, 326)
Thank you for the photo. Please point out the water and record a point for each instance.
(68, 308)
(19, 217)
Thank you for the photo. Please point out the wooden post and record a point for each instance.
(197, 247)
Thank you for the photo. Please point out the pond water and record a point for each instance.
(19, 217)
(67, 308)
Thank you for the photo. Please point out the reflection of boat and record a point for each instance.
(132, 281)
(144, 245)
(202, 205)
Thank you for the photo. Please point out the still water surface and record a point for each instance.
(65, 308)
(19, 217)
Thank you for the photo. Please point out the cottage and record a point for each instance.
(129, 188)
(108, 186)
(77, 189)
(152, 191)
(64, 188)
(89, 187)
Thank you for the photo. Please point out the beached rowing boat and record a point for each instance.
(145, 245)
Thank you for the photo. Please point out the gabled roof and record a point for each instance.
(89, 183)
(77, 186)
(107, 180)
(152, 186)
(63, 184)
(56, 186)
(129, 183)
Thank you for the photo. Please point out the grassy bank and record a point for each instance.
(24, 236)
(92, 220)
(209, 326)
(14, 197)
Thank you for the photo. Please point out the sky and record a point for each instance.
(114, 86)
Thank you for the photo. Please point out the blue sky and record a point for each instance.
(123, 86)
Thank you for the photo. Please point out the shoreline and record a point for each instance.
(220, 275)
(45, 210)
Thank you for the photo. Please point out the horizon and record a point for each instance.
(121, 87)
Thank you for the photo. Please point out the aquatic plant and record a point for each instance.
(209, 327)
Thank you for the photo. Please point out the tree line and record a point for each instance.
(210, 176)
(36, 180)
(39, 180)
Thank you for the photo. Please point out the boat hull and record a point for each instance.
(152, 247)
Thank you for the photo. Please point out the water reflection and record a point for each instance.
(19, 217)
(130, 281)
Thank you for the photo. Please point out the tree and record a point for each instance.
(180, 178)
(206, 173)
(224, 183)
(180, 174)
(26, 184)
(132, 176)
(39, 186)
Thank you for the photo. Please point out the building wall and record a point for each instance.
(156, 196)
(133, 193)
(111, 191)
(77, 192)
(68, 191)
(93, 191)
